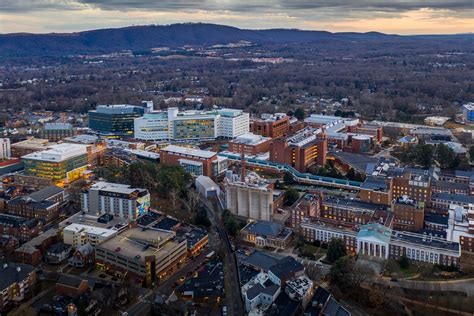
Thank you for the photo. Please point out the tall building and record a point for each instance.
(118, 200)
(152, 126)
(301, 150)
(233, 123)
(114, 120)
(271, 125)
(195, 161)
(408, 214)
(191, 125)
(250, 198)
(6, 151)
(61, 163)
(57, 131)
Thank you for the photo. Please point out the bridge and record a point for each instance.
(300, 177)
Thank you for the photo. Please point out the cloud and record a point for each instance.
(286, 6)
(336, 15)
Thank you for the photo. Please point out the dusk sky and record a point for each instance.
(397, 16)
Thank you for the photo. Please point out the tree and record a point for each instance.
(424, 155)
(193, 200)
(404, 262)
(446, 156)
(291, 196)
(336, 250)
(288, 178)
(471, 153)
(299, 114)
(348, 275)
(201, 218)
(340, 272)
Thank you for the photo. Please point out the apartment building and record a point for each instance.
(119, 200)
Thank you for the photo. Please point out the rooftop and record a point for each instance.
(58, 153)
(189, 151)
(425, 241)
(286, 267)
(10, 272)
(250, 139)
(115, 187)
(93, 230)
(139, 243)
(375, 231)
(265, 228)
(46, 193)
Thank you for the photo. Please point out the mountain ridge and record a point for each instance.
(145, 37)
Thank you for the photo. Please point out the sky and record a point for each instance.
(394, 17)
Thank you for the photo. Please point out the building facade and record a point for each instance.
(114, 120)
(191, 125)
(118, 200)
(195, 161)
(271, 125)
(62, 163)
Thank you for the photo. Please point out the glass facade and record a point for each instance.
(117, 124)
(56, 171)
(194, 129)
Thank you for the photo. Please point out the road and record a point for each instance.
(233, 296)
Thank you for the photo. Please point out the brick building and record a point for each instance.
(250, 144)
(408, 214)
(301, 150)
(195, 161)
(271, 125)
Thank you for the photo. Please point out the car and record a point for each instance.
(393, 280)
(102, 275)
(189, 273)
(182, 278)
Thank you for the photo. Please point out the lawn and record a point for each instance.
(393, 269)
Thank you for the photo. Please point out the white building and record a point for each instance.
(119, 200)
(5, 150)
(152, 126)
(233, 123)
(78, 235)
(259, 293)
(206, 187)
(252, 198)
(186, 125)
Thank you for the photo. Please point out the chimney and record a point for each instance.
(242, 163)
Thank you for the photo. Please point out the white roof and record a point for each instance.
(113, 187)
(94, 230)
(207, 182)
(189, 151)
(58, 153)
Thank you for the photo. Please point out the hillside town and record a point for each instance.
(134, 210)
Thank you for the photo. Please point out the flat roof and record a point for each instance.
(114, 187)
(58, 153)
(189, 151)
(131, 243)
(103, 232)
